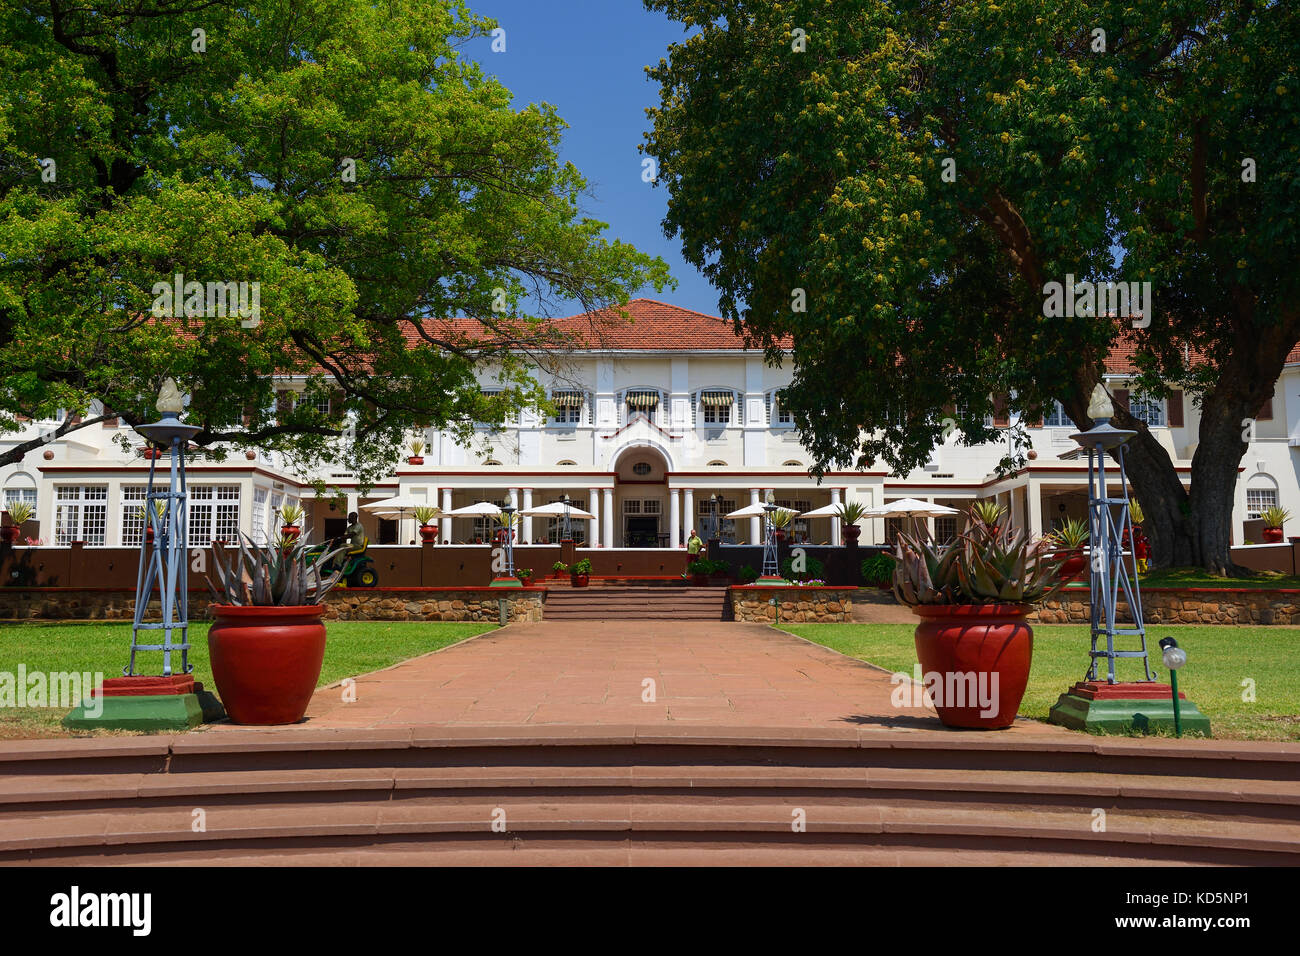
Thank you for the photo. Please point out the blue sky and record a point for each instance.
(587, 58)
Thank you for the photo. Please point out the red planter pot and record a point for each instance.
(851, 533)
(266, 661)
(428, 534)
(1074, 564)
(290, 531)
(10, 533)
(579, 580)
(976, 650)
(415, 460)
(1272, 535)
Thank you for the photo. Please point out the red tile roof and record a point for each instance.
(648, 325)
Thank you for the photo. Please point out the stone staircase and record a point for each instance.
(610, 603)
(556, 794)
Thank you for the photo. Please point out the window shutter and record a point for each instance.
(1175, 404)
(1000, 417)
(1265, 413)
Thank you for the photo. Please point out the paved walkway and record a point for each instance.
(595, 673)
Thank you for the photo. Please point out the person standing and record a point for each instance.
(693, 544)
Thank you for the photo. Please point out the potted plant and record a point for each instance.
(525, 575)
(580, 573)
(812, 568)
(699, 572)
(1274, 517)
(878, 571)
(851, 512)
(20, 512)
(290, 515)
(780, 521)
(1070, 538)
(425, 514)
(988, 513)
(559, 569)
(972, 595)
(719, 573)
(268, 641)
(417, 452)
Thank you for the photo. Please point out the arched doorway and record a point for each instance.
(641, 496)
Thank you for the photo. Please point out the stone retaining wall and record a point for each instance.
(793, 604)
(1184, 606)
(378, 604)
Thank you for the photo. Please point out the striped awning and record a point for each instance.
(716, 399)
(566, 399)
(643, 399)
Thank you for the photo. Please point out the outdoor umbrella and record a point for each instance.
(556, 509)
(398, 505)
(912, 508)
(474, 510)
(826, 511)
(757, 511)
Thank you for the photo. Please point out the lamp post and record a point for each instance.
(164, 565)
(566, 525)
(1112, 705)
(771, 570)
(713, 517)
(507, 578)
(1174, 658)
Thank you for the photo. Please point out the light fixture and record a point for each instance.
(1099, 404)
(1174, 657)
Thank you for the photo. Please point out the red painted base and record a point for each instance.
(1133, 690)
(146, 686)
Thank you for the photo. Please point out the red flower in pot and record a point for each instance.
(972, 595)
(268, 642)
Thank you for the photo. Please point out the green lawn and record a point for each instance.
(1197, 578)
(353, 647)
(1219, 660)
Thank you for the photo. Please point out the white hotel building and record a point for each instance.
(668, 427)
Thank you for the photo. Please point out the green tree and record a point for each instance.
(921, 172)
(345, 157)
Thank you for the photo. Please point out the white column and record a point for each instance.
(836, 533)
(607, 537)
(688, 504)
(446, 522)
(526, 534)
(1035, 500)
(755, 531)
(593, 525)
(674, 518)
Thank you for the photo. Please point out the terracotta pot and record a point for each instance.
(1075, 562)
(1272, 535)
(10, 533)
(990, 643)
(559, 575)
(779, 535)
(290, 531)
(266, 661)
(148, 535)
(851, 533)
(415, 460)
(579, 580)
(428, 534)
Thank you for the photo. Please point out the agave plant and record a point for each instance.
(987, 512)
(417, 447)
(19, 511)
(1073, 534)
(780, 518)
(289, 573)
(851, 512)
(925, 572)
(1274, 516)
(1007, 568)
(290, 514)
(425, 514)
(1135, 513)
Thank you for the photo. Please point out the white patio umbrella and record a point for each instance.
(556, 509)
(474, 511)
(398, 505)
(757, 511)
(826, 511)
(911, 508)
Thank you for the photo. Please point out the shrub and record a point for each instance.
(878, 569)
(748, 575)
(581, 567)
(559, 567)
(813, 569)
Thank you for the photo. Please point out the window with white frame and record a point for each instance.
(80, 514)
(487, 393)
(486, 526)
(25, 495)
(260, 496)
(1147, 409)
(568, 407)
(214, 514)
(715, 407)
(133, 514)
(1257, 499)
(945, 528)
(642, 401)
(1056, 417)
